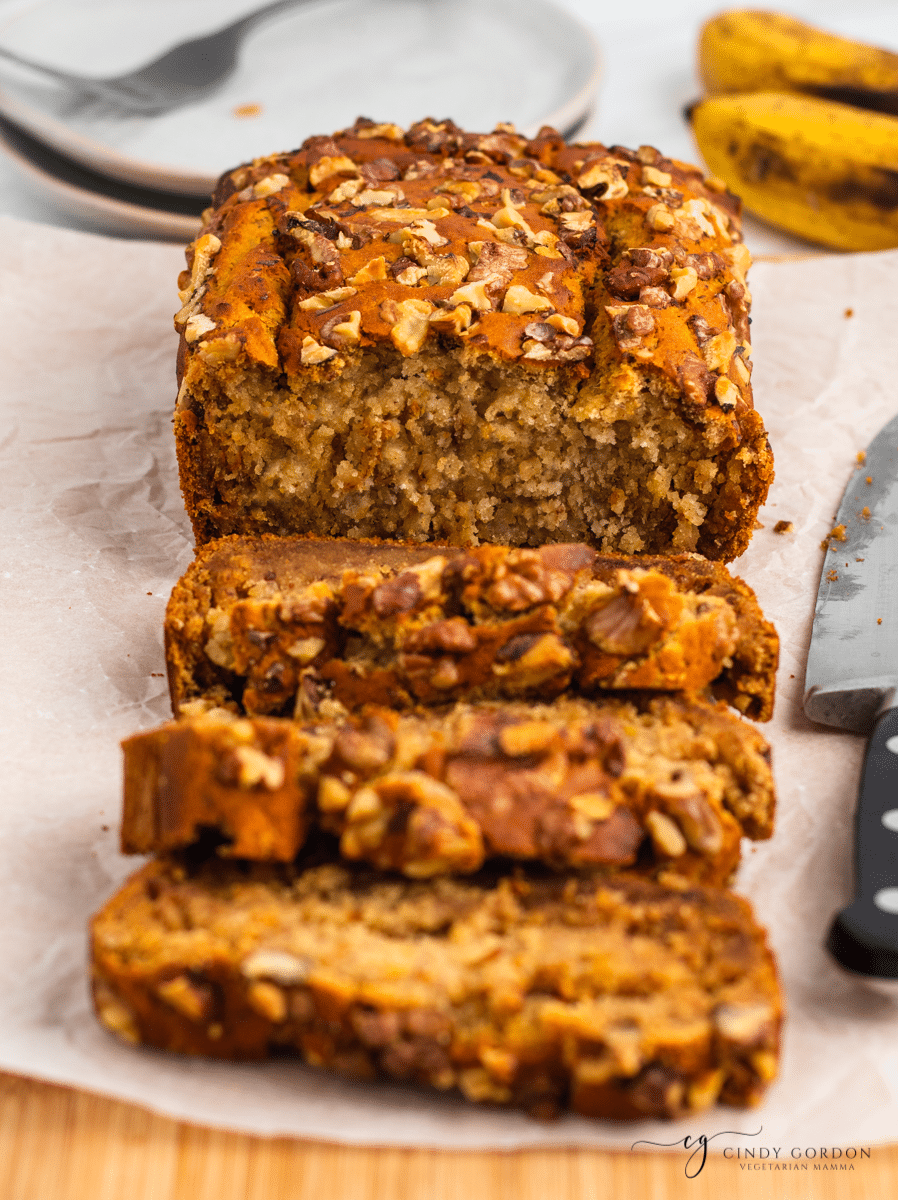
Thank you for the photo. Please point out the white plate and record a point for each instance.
(107, 204)
(309, 70)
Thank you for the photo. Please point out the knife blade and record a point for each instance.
(852, 683)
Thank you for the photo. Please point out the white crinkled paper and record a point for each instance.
(94, 538)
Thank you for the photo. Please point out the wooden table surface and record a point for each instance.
(60, 1144)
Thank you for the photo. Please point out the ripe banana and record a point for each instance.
(752, 51)
(822, 170)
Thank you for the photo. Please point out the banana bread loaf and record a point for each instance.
(665, 781)
(438, 335)
(258, 624)
(612, 997)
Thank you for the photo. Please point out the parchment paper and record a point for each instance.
(94, 538)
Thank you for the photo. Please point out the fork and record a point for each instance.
(181, 75)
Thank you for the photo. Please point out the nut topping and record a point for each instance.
(331, 165)
(371, 272)
(313, 352)
(665, 833)
(473, 294)
(324, 300)
(726, 393)
(519, 299)
(276, 965)
(196, 326)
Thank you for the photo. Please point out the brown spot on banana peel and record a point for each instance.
(880, 190)
(857, 97)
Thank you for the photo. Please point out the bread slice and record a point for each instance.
(438, 335)
(612, 997)
(664, 781)
(257, 624)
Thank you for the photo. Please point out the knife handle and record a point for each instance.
(864, 936)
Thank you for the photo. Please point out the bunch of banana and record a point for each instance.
(803, 125)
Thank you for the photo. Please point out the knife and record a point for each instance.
(852, 682)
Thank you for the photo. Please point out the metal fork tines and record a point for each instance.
(180, 76)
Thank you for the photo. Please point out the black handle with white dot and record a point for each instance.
(864, 936)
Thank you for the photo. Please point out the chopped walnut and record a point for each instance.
(665, 833)
(392, 133)
(196, 326)
(345, 333)
(660, 218)
(411, 276)
(577, 222)
(304, 650)
(565, 324)
(624, 622)
(323, 300)
(257, 769)
(685, 803)
(333, 796)
(428, 231)
(410, 329)
(529, 660)
(519, 299)
(204, 251)
(346, 190)
(537, 350)
(527, 737)
(372, 272)
(727, 394)
(190, 999)
(331, 165)
(694, 212)
(654, 297)
(605, 178)
(455, 320)
(268, 1000)
(719, 350)
(269, 185)
(656, 178)
(473, 294)
(371, 196)
(218, 351)
(312, 352)
(508, 217)
(469, 189)
(684, 281)
(746, 1024)
(447, 270)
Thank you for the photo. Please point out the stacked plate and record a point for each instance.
(308, 67)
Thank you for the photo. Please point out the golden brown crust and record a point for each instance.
(614, 998)
(614, 278)
(668, 782)
(252, 619)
